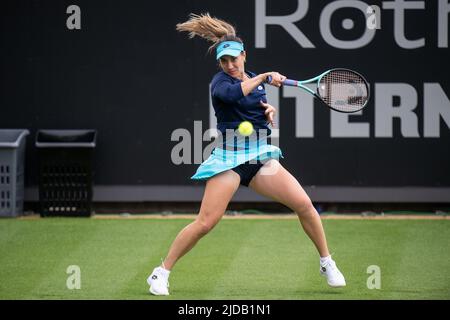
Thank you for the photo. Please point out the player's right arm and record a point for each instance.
(250, 84)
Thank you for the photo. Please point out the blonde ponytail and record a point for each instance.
(212, 29)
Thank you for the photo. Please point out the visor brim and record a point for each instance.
(228, 52)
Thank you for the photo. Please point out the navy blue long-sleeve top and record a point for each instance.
(232, 107)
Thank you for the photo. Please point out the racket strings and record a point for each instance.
(343, 90)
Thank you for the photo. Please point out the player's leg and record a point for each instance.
(275, 182)
(218, 193)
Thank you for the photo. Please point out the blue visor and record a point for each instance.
(229, 48)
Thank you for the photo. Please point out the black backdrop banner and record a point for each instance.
(120, 67)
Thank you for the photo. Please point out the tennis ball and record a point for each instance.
(245, 128)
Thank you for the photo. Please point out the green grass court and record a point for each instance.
(239, 259)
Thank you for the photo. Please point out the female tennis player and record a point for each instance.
(238, 95)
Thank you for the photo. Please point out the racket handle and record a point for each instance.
(287, 82)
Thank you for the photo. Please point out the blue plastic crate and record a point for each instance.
(12, 171)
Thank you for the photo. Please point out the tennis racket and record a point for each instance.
(342, 90)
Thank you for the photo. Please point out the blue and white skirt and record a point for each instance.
(235, 153)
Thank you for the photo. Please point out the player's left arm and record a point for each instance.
(269, 112)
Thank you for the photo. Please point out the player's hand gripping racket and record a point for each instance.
(340, 89)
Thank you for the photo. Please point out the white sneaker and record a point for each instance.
(159, 282)
(334, 277)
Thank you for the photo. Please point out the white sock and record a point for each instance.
(324, 260)
(164, 272)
